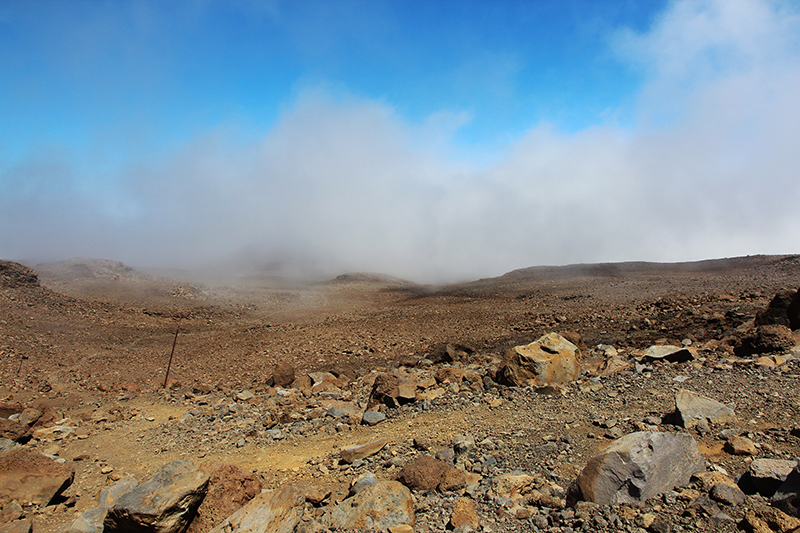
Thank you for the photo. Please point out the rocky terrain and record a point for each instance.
(612, 397)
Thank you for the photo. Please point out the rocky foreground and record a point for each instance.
(690, 432)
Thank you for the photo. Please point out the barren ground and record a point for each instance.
(93, 346)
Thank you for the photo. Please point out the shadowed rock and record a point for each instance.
(164, 504)
(29, 476)
(693, 408)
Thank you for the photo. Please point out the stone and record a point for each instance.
(637, 467)
(229, 489)
(29, 416)
(693, 408)
(13, 430)
(464, 514)
(29, 476)
(738, 445)
(783, 309)
(512, 483)
(770, 338)
(276, 511)
(17, 526)
(385, 390)
(454, 479)
(283, 374)
(450, 374)
(550, 359)
(423, 473)
(372, 418)
(727, 494)
(787, 497)
(354, 453)
(767, 475)
(673, 354)
(91, 521)
(769, 520)
(165, 503)
(381, 506)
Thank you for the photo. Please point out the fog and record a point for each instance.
(709, 168)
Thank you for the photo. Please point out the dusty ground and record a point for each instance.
(92, 345)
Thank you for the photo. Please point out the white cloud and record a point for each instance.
(710, 170)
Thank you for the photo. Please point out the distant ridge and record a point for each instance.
(86, 268)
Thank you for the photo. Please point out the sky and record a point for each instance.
(436, 141)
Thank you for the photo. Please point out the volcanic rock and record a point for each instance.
(376, 508)
(787, 497)
(91, 521)
(229, 489)
(283, 374)
(783, 309)
(770, 338)
(464, 514)
(423, 473)
(28, 476)
(673, 354)
(165, 503)
(637, 467)
(354, 453)
(13, 275)
(277, 511)
(693, 408)
(550, 359)
(767, 475)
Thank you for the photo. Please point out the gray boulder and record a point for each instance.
(164, 504)
(637, 467)
(91, 521)
(787, 498)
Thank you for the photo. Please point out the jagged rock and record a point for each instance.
(229, 489)
(673, 354)
(423, 473)
(512, 483)
(283, 374)
(91, 521)
(13, 430)
(550, 359)
(783, 309)
(693, 408)
(464, 514)
(17, 526)
(165, 503)
(372, 418)
(767, 475)
(738, 445)
(277, 511)
(378, 507)
(727, 494)
(769, 520)
(770, 338)
(29, 476)
(354, 453)
(29, 416)
(636, 467)
(450, 374)
(392, 389)
(787, 497)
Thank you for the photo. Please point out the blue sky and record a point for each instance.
(435, 140)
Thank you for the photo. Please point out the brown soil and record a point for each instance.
(80, 345)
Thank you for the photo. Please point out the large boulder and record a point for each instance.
(784, 309)
(787, 497)
(283, 374)
(277, 511)
(770, 338)
(692, 409)
(91, 521)
(29, 476)
(637, 467)
(423, 473)
(378, 507)
(163, 504)
(550, 359)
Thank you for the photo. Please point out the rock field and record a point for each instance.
(615, 397)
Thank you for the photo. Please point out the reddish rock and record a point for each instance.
(283, 374)
(385, 390)
(229, 489)
(13, 430)
(770, 338)
(423, 473)
(464, 514)
(28, 476)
